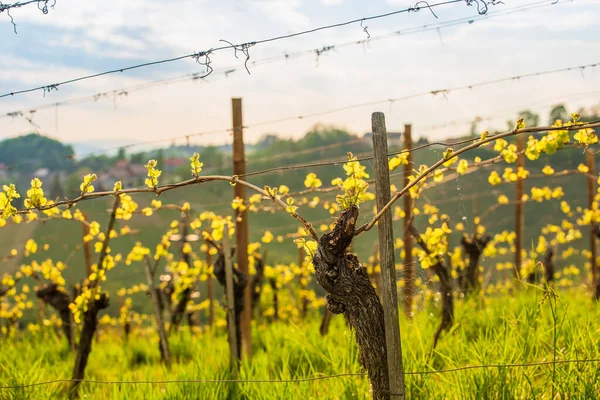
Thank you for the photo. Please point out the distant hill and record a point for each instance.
(30, 152)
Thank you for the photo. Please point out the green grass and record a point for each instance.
(526, 328)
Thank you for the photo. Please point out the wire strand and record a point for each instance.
(286, 56)
(433, 92)
(300, 380)
(242, 47)
(236, 178)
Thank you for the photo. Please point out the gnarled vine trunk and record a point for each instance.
(548, 265)
(179, 311)
(447, 300)
(443, 273)
(474, 248)
(239, 284)
(256, 282)
(59, 299)
(273, 284)
(325, 322)
(351, 293)
(90, 325)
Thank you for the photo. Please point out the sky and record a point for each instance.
(77, 38)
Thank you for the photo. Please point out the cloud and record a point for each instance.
(283, 12)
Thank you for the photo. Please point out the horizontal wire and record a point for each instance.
(345, 160)
(319, 51)
(300, 380)
(242, 47)
(471, 169)
(429, 92)
(390, 100)
(507, 112)
(236, 178)
(4, 7)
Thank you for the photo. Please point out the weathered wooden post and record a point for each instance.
(519, 215)
(388, 290)
(409, 265)
(241, 224)
(233, 355)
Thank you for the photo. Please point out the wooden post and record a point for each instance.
(241, 224)
(409, 265)
(233, 356)
(591, 164)
(519, 215)
(386, 255)
(211, 294)
(162, 334)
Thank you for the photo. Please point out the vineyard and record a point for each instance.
(463, 298)
(331, 266)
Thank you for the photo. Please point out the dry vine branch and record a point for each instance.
(161, 189)
(474, 248)
(58, 298)
(548, 264)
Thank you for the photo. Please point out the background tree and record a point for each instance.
(56, 188)
(559, 111)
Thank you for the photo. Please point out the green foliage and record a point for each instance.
(31, 152)
(96, 163)
(558, 112)
(57, 190)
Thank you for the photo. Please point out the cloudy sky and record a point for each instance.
(84, 37)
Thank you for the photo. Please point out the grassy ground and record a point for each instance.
(527, 328)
